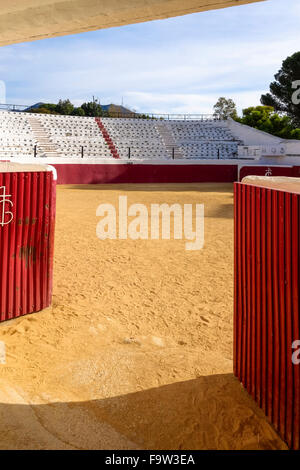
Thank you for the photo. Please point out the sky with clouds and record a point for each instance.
(178, 65)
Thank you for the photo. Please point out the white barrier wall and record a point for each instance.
(251, 136)
(271, 146)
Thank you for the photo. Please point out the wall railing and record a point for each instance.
(133, 115)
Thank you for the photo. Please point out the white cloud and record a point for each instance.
(187, 103)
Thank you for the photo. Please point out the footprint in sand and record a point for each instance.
(33, 318)
(20, 329)
(131, 341)
(205, 320)
(143, 340)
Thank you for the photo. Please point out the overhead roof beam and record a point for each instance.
(30, 20)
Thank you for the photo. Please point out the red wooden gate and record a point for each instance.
(27, 218)
(267, 239)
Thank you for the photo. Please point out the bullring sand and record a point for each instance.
(136, 350)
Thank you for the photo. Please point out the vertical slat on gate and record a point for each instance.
(19, 226)
(288, 320)
(236, 291)
(239, 288)
(24, 248)
(18, 216)
(253, 312)
(296, 312)
(282, 314)
(264, 332)
(51, 237)
(38, 242)
(269, 310)
(244, 283)
(249, 289)
(274, 312)
(258, 272)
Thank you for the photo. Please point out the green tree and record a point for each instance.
(64, 107)
(50, 106)
(92, 108)
(78, 112)
(45, 108)
(40, 110)
(283, 96)
(295, 134)
(265, 119)
(225, 108)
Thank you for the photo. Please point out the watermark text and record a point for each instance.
(184, 222)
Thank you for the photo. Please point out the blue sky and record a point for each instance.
(179, 65)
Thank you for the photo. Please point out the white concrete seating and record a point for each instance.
(16, 137)
(198, 130)
(140, 135)
(207, 139)
(71, 133)
(221, 150)
(146, 139)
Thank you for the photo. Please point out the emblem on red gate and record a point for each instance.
(6, 216)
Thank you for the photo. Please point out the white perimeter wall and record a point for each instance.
(255, 137)
(251, 136)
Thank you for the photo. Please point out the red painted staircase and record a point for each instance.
(107, 138)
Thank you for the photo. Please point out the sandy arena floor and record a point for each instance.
(136, 351)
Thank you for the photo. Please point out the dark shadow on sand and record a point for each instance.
(210, 412)
(157, 187)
